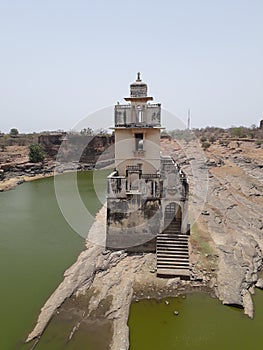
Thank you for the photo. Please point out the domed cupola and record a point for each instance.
(138, 90)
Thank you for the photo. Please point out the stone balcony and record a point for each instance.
(147, 186)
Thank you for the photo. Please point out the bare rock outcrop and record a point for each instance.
(239, 264)
(81, 272)
(230, 218)
(232, 215)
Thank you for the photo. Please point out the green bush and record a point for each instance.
(224, 143)
(36, 153)
(238, 132)
(13, 132)
(212, 139)
(206, 145)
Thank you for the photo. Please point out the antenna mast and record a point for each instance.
(188, 119)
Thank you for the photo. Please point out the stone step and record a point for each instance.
(172, 224)
(172, 242)
(173, 234)
(173, 272)
(172, 256)
(173, 266)
(172, 228)
(173, 237)
(171, 249)
(166, 225)
(175, 246)
(177, 251)
(176, 233)
(171, 220)
(168, 240)
(173, 261)
(170, 260)
(170, 252)
(175, 255)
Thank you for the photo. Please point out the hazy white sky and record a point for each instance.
(63, 60)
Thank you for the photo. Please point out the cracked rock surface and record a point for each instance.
(226, 245)
(232, 214)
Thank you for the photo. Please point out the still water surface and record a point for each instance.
(37, 245)
(203, 323)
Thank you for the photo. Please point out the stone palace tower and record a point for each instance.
(147, 199)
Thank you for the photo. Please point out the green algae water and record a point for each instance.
(37, 245)
(202, 323)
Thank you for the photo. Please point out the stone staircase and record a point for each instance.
(172, 252)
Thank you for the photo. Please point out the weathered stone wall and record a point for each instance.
(70, 147)
(133, 224)
(51, 143)
(19, 140)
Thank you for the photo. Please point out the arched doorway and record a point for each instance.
(172, 213)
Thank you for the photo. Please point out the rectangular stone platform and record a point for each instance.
(173, 273)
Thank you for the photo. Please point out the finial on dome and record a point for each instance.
(138, 76)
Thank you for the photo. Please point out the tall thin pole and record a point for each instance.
(188, 119)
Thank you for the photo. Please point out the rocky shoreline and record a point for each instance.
(231, 219)
(16, 174)
(226, 245)
(114, 279)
